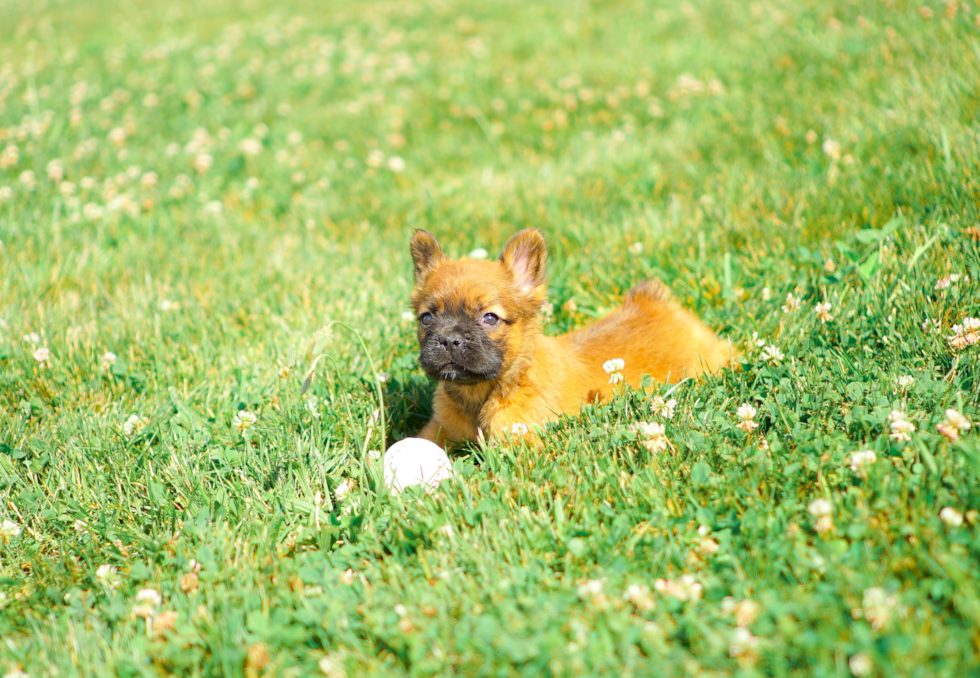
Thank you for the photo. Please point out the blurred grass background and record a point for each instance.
(188, 192)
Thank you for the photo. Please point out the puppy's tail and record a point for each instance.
(682, 335)
(648, 292)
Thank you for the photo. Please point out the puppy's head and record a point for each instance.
(476, 318)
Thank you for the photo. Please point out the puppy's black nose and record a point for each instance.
(453, 340)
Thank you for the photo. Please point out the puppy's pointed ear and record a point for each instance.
(524, 256)
(426, 253)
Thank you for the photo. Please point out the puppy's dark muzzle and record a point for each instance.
(452, 343)
(459, 352)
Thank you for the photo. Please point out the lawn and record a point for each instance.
(198, 198)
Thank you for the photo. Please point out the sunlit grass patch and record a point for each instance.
(189, 197)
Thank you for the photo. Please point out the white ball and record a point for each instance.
(415, 461)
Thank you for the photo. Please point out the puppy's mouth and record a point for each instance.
(458, 374)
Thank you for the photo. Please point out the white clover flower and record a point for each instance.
(662, 408)
(904, 382)
(6, 193)
(396, 164)
(32, 338)
(901, 428)
(684, 589)
(344, 488)
(614, 365)
(746, 414)
(375, 158)
(519, 429)
(745, 612)
(117, 135)
(9, 528)
(652, 435)
(479, 253)
(831, 148)
(214, 207)
(108, 576)
(823, 312)
(772, 355)
(876, 607)
(10, 157)
(202, 162)
(332, 665)
(951, 516)
(860, 665)
(821, 507)
(43, 356)
(93, 211)
(766, 294)
(243, 421)
(612, 368)
(861, 461)
(148, 597)
(107, 360)
(408, 316)
(134, 425)
(953, 425)
(792, 304)
(639, 597)
(822, 511)
(708, 546)
(144, 611)
(383, 377)
(250, 146)
(56, 171)
(592, 590)
(743, 644)
(636, 248)
(967, 333)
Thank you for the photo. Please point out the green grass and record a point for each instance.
(829, 150)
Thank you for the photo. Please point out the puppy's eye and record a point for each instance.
(490, 319)
(426, 319)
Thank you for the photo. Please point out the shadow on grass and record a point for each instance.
(408, 402)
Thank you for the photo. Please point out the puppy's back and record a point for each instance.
(653, 335)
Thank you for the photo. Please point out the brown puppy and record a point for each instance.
(480, 337)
